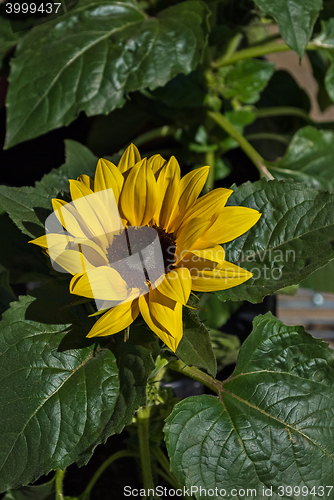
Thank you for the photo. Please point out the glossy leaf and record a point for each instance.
(326, 38)
(269, 427)
(44, 491)
(61, 396)
(309, 159)
(293, 238)
(295, 19)
(88, 59)
(8, 39)
(195, 347)
(28, 207)
(247, 79)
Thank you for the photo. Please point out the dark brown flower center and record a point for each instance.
(142, 254)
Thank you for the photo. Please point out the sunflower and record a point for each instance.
(137, 204)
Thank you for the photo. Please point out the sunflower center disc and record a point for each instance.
(142, 254)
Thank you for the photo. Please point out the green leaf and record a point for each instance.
(79, 160)
(183, 91)
(293, 238)
(322, 280)
(135, 364)
(247, 79)
(329, 81)
(28, 207)
(8, 39)
(239, 118)
(61, 396)
(195, 347)
(215, 313)
(326, 38)
(89, 58)
(309, 159)
(39, 492)
(225, 347)
(295, 20)
(270, 427)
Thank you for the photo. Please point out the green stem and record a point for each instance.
(196, 374)
(257, 51)
(252, 154)
(143, 416)
(283, 111)
(268, 135)
(59, 484)
(231, 47)
(164, 462)
(119, 454)
(156, 133)
(210, 161)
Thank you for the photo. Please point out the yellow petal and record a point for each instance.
(87, 181)
(130, 156)
(52, 239)
(190, 187)
(168, 183)
(163, 316)
(190, 233)
(209, 205)
(107, 176)
(215, 253)
(139, 195)
(177, 285)
(231, 223)
(70, 219)
(225, 275)
(72, 261)
(92, 251)
(155, 163)
(115, 320)
(79, 189)
(102, 283)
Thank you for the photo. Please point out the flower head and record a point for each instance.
(137, 239)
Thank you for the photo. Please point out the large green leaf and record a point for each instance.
(88, 59)
(295, 19)
(271, 426)
(55, 398)
(28, 207)
(247, 79)
(8, 39)
(322, 280)
(293, 238)
(79, 160)
(195, 347)
(309, 159)
(44, 491)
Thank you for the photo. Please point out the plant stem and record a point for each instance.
(196, 374)
(143, 416)
(59, 484)
(257, 51)
(164, 462)
(119, 454)
(231, 47)
(210, 161)
(252, 154)
(268, 136)
(156, 133)
(283, 111)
